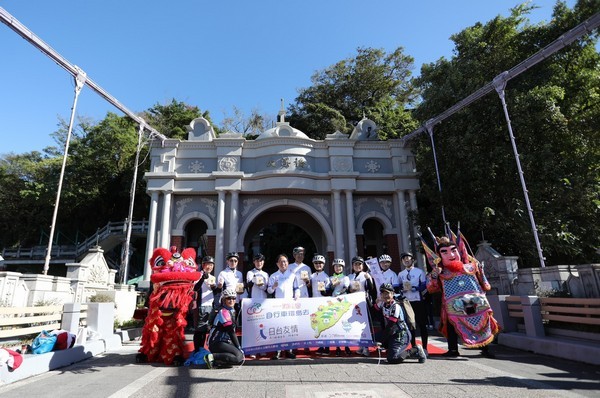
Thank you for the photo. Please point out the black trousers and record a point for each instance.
(421, 321)
(226, 353)
(452, 337)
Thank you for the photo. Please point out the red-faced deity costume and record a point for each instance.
(463, 284)
(173, 278)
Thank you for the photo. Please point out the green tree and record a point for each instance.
(372, 84)
(554, 109)
(172, 119)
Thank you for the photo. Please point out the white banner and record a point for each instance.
(376, 273)
(283, 324)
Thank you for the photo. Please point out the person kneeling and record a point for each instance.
(222, 341)
(395, 335)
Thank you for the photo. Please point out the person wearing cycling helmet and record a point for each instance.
(319, 280)
(338, 281)
(395, 335)
(204, 292)
(361, 281)
(223, 343)
(338, 286)
(257, 279)
(389, 276)
(412, 283)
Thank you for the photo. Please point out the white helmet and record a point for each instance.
(228, 293)
(385, 257)
(339, 261)
(318, 259)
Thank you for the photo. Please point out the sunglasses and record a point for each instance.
(229, 298)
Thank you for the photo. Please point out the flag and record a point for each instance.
(430, 254)
(461, 244)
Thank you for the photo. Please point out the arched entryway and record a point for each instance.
(275, 239)
(374, 243)
(195, 236)
(278, 230)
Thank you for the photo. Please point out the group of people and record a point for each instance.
(218, 300)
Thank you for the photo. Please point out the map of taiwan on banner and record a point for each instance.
(282, 324)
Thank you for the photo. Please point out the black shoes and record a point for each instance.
(276, 356)
(290, 354)
(451, 354)
(485, 352)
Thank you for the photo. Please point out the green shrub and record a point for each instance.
(101, 298)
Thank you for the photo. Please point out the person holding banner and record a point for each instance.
(223, 343)
(361, 281)
(283, 284)
(395, 334)
(320, 287)
(412, 283)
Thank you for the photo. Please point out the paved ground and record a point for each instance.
(512, 374)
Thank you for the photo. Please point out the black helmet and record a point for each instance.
(357, 259)
(406, 254)
(208, 259)
(232, 255)
(386, 287)
(259, 257)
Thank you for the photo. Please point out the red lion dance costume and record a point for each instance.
(173, 278)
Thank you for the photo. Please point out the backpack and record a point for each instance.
(409, 313)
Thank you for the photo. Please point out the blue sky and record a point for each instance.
(212, 54)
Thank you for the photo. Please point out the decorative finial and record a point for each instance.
(281, 113)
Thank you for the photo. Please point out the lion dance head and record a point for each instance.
(173, 277)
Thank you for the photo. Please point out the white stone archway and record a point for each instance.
(387, 225)
(194, 215)
(291, 203)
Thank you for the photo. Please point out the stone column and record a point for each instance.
(70, 317)
(415, 229)
(151, 234)
(337, 215)
(165, 224)
(532, 314)
(219, 250)
(351, 224)
(233, 221)
(403, 222)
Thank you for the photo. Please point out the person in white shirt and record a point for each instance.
(204, 292)
(319, 280)
(389, 276)
(412, 283)
(231, 278)
(339, 281)
(257, 279)
(361, 281)
(301, 271)
(283, 284)
(339, 284)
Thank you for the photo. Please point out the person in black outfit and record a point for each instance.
(223, 343)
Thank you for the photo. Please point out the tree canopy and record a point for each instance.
(372, 84)
(554, 108)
